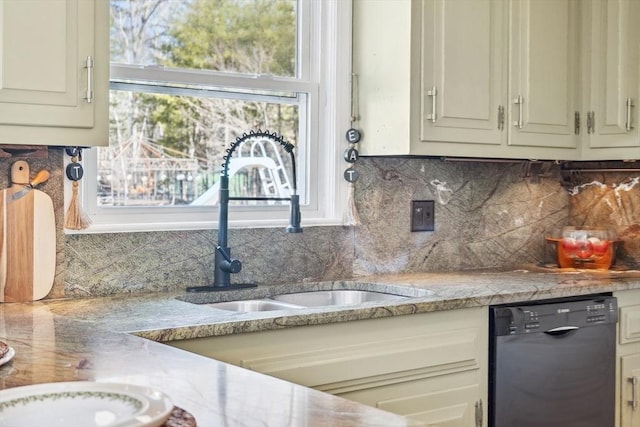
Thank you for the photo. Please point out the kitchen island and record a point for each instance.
(52, 348)
(111, 339)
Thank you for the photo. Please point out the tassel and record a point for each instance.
(351, 216)
(76, 219)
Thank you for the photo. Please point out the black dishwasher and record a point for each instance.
(552, 363)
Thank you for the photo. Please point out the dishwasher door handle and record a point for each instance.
(561, 330)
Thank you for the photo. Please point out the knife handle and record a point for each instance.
(40, 177)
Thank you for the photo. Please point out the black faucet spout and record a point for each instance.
(224, 264)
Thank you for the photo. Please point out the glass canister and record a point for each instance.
(586, 247)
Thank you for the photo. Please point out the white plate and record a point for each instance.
(7, 356)
(83, 404)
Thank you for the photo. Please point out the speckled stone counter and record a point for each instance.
(173, 316)
(51, 348)
(95, 339)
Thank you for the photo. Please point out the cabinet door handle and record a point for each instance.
(479, 417)
(479, 413)
(634, 398)
(629, 125)
(433, 93)
(591, 116)
(88, 65)
(519, 101)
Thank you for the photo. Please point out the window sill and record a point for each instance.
(199, 225)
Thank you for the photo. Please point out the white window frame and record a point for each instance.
(330, 91)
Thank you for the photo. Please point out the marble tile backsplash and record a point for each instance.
(610, 200)
(104, 264)
(487, 215)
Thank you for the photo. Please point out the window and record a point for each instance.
(188, 78)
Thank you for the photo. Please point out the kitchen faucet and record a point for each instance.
(224, 264)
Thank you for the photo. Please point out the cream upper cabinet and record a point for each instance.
(463, 63)
(54, 81)
(384, 81)
(543, 80)
(463, 73)
(498, 78)
(473, 104)
(611, 80)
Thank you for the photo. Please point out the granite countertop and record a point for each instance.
(102, 339)
(173, 316)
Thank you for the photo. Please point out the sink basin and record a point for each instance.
(298, 300)
(335, 297)
(252, 305)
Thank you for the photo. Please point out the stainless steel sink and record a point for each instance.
(253, 305)
(298, 300)
(335, 298)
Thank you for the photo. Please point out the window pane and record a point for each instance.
(236, 36)
(167, 150)
(168, 138)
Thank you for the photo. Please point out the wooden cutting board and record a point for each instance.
(28, 239)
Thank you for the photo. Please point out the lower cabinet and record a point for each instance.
(628, 360)
(430, 366)
(446, 400)
(629, 379)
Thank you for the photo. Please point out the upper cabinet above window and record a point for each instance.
(544, 79)
(54, 82)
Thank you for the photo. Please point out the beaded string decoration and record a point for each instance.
(351, 216)
(75, 218)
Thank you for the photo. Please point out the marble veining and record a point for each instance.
(112, 338)
(177, 315)
(488, 215)
(610, 200)
(52, 348)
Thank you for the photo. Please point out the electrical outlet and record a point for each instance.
(422, 215)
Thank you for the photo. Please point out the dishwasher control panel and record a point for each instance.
(551, 316)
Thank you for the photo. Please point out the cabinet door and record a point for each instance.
(628, 353)
(630, 391)
(450, 400)
(47, 78)
(463, 72)
(613, 63)
(382, 55)
(428, 366)
(544, 73)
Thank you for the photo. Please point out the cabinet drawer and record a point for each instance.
(630, 324)
(334, 368)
